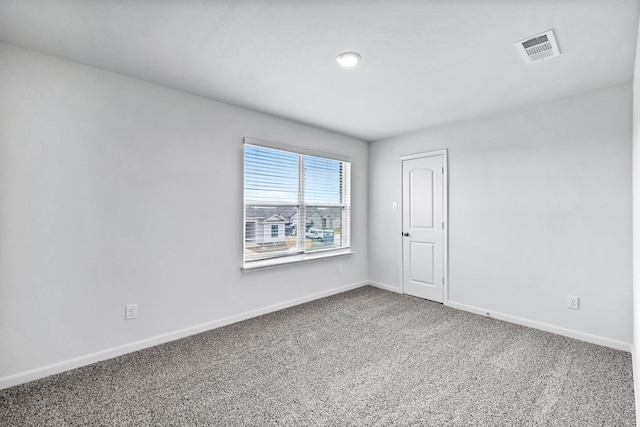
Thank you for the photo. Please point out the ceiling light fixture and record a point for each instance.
(348, 59)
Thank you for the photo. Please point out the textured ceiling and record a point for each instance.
(423, 62)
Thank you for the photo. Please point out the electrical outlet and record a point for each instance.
(394, 206)
(573, 302)
(131, 312)
(339, 268)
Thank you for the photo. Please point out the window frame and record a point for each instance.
(252, 265)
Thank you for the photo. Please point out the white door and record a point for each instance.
(423, 228)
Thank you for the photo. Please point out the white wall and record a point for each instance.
(117, 191)
(636, 229)
(539, 208)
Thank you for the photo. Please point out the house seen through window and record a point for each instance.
(294, 203)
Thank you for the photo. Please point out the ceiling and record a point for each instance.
(424, 62)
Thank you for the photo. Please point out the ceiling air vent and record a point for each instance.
(538, 48)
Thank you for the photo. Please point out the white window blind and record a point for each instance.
(294, 203)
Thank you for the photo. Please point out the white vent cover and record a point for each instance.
(538, 48)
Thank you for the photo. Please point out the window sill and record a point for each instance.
(293, 260)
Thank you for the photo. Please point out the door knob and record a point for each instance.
(405, 234)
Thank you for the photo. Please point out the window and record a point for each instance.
(295, 204)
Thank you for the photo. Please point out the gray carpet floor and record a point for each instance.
(362, 358)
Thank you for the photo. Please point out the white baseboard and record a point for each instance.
(594, 339)
(88, 359)
(385, 287)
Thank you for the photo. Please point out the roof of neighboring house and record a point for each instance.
(266, 212)
(320, 215)
(274, 218)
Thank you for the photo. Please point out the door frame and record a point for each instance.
(445, 217)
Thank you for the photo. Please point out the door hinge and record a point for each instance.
(442, 170)
(443, 280)
(443, 225)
